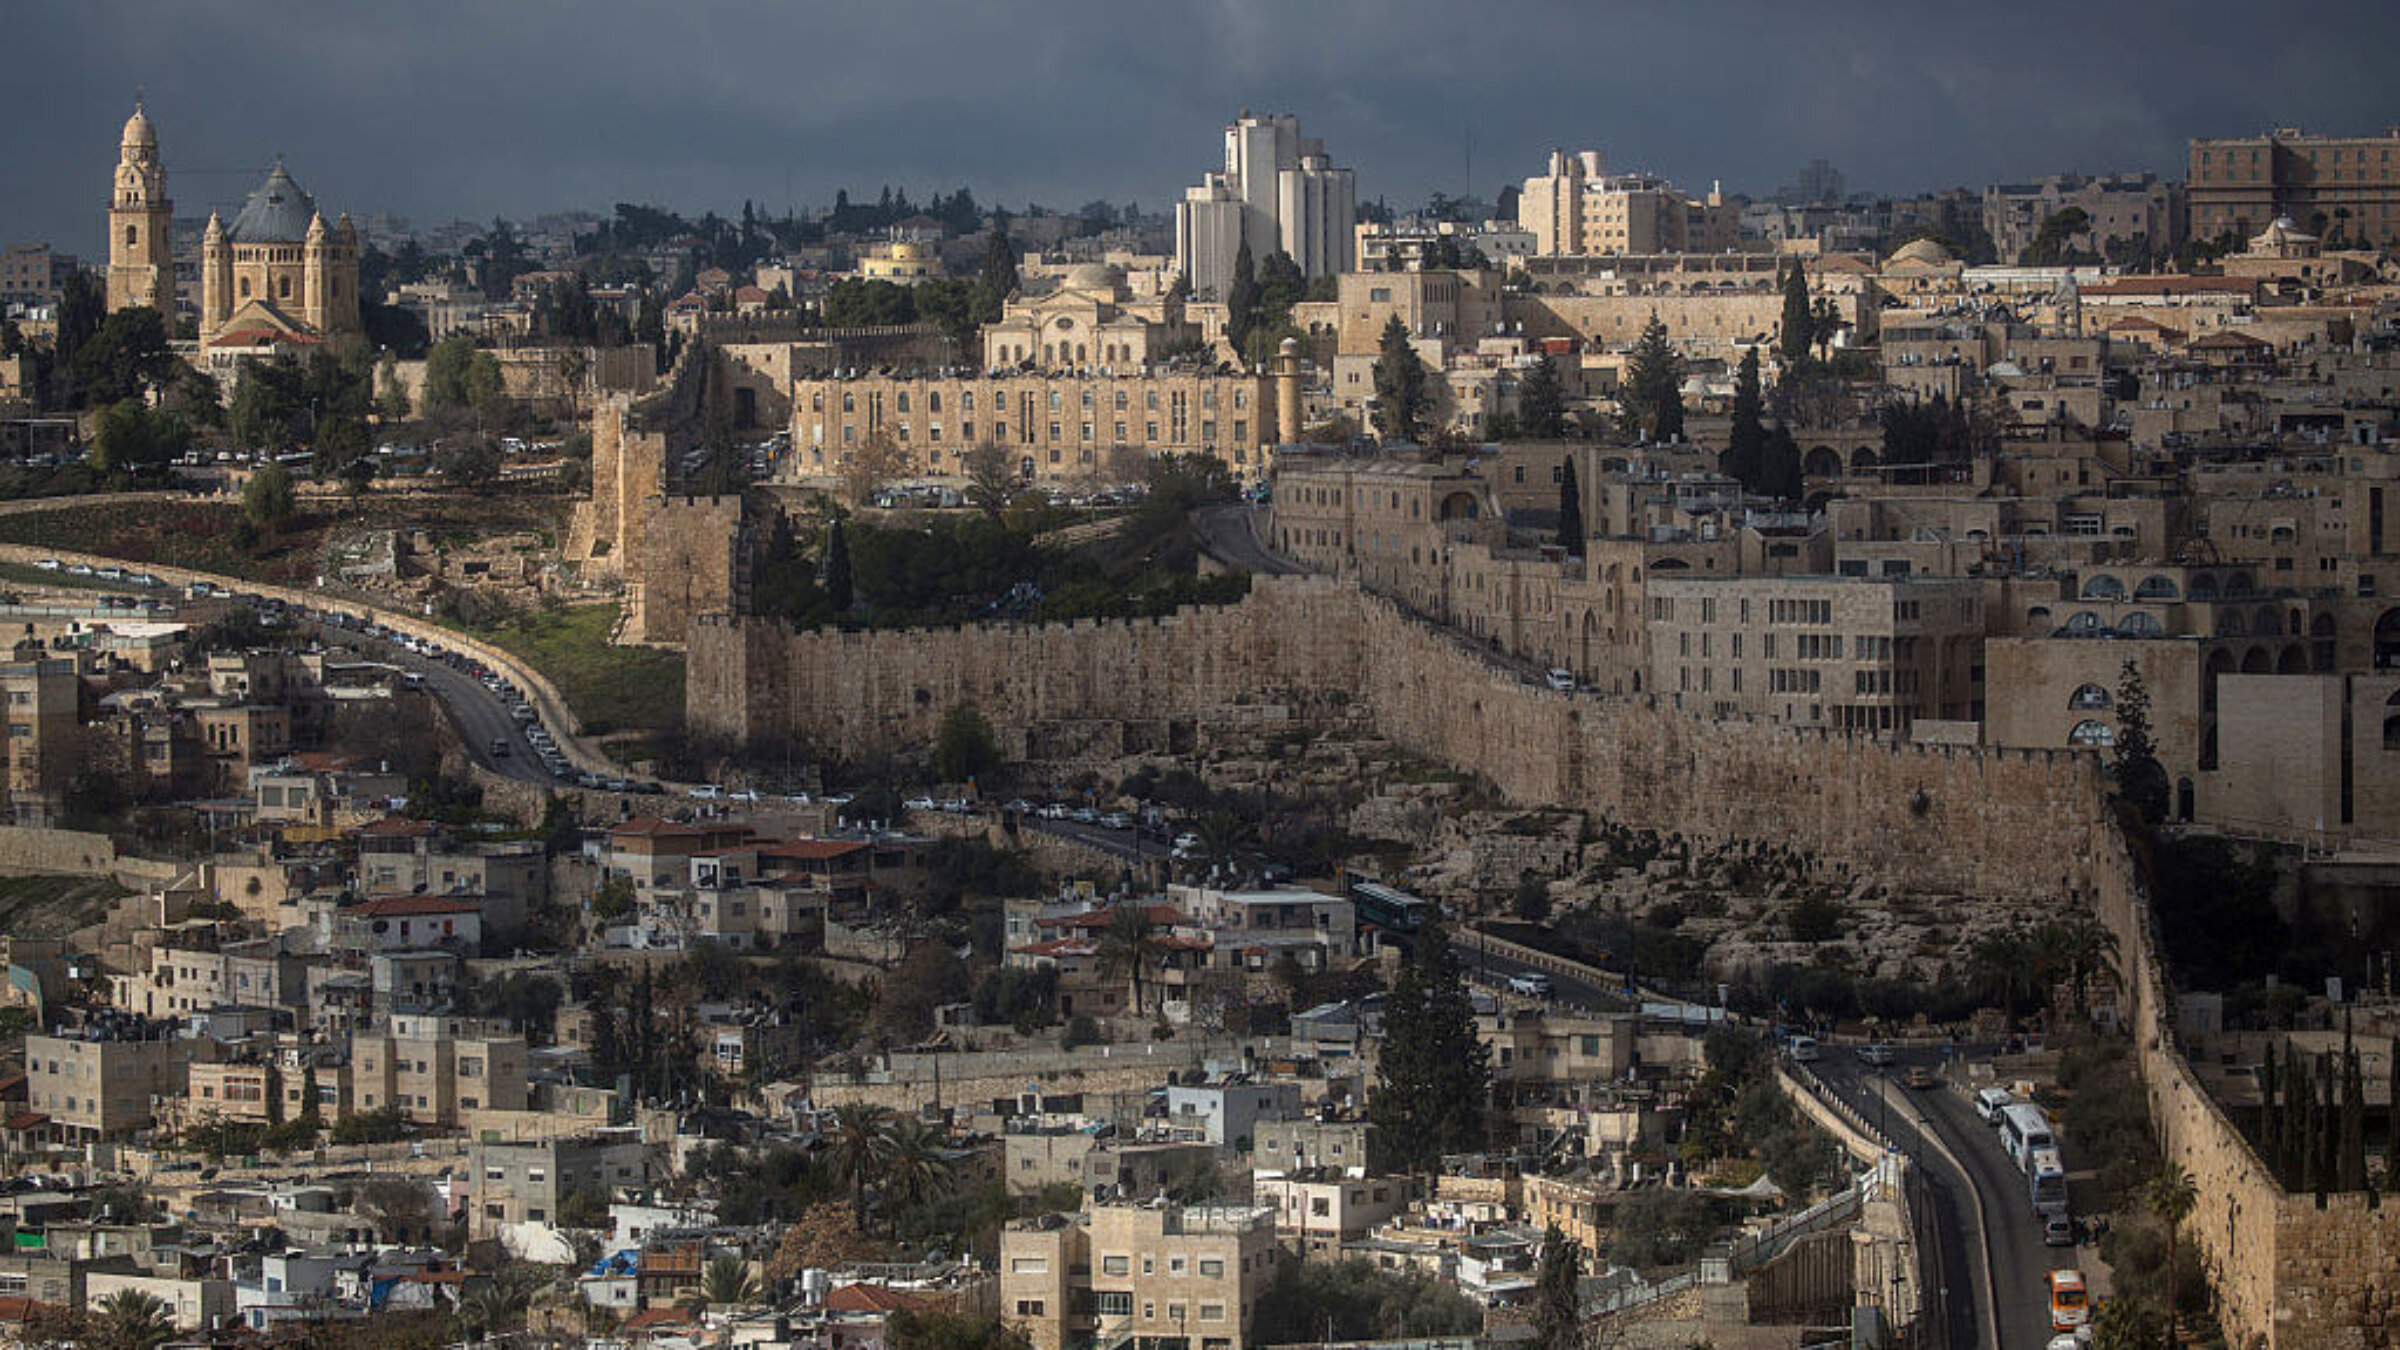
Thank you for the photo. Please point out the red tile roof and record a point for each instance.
(398, 827)
(27, 1120)
(870, 1298)
(19, 1308)
(409, 906)
(1160, 916)
(812, 850)
(661, 1317)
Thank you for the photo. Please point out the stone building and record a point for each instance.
(279, 274)
(141, 234)
(1277, 192)
(1087, 322)
(437, 1070)
(1578, 207)
(2346, 188)
(103, 1088)
(1184, 1278)
(1054, 428)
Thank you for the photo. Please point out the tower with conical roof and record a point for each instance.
(141, 236)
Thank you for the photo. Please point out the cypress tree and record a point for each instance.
(1799, 322)
(1570, 512)
(2351, 1144)
(1653, 390)
(1434, 1072)
(1401, 403)
(1542, 402)
(1241, 299)
(999, 275)
(839, 589)
(2270, 1116)
(1558, 1293)
(1746, 443)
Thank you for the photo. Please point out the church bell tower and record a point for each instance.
(141, 245)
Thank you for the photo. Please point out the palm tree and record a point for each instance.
(859, 1149)
(502, 1302)
(726, 1282)
(1129, 945)
(914, 1168)
(133, 1320)
(2171, 1195)
(1221, 836)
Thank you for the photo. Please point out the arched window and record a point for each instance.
(133, 235)
(2092, 734)
(2084, 624)
(2155, 588)
(2239, 584)
(2104, 587)
(2090, 698)
(2140, 624)
(2231, 624)
(245, 288)
(2204, 587)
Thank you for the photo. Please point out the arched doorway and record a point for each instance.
(2387, 640)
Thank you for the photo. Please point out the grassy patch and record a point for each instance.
(200, 535)
(610, 688)
(53, 906)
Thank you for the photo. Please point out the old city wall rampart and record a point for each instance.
(1974, 822)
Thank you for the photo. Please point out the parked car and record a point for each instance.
(920, 804)
(1803, 1049)
(1530, 983)
(1561, 680)
(1877, 1054)
(1990, 1102)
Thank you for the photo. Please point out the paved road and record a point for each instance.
(480, 715)
(1979, 1199)
(1229, 532)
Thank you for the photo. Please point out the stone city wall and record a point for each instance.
(1976, 822)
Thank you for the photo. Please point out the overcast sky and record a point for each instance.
(435, 109)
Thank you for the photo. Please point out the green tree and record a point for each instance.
(82, 304)
(2141, 779)
(392, 400)
(1435, 1072)
(999, 272)
(1354, 1300)
(1746, 441)
(725, 1282)
(965, 748)
(1798, 335)
(991, 483)
(916, 1166)
(130, 437)
(133, 1320)
(1241, 299)
(1402, 402)
(468, 461)
(1129, 947)
(857, 1144)
(267, 499)
(1652, 393)
(839, 587)
(458, 374)
(2170, 1195)
(1542, 401)
(125, 357)
(2053, 244)
(1570, 511)
(1781, 473)
(1558, 1293)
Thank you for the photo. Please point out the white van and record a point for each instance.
(1531, 983)
(1804, 1049)
(1990, 1102)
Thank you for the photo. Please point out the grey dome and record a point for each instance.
(278, 213)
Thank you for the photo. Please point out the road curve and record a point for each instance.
(1229, 533)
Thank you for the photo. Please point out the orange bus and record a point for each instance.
(2070, 1305)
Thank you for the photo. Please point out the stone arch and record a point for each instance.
(2085, 623)
(2239, 584)
(1457, 506)
(2090, 698)
(2230, 623)
(2155, 587)
(2294, 660)
(2257, 662)
(1862, 459)
(2103, 586)
(2141, 623)
(2387, 639)
(2321, 644)
(2203, 587)
(2220, 662)
(1822, 462)
(2092, 734)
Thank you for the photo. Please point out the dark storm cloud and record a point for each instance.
(434, 109)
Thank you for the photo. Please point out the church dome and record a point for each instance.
(277, 213)
(139, 134)
(1922, 251)
(1091, 279)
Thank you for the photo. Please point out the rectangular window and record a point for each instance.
(1113, 1265)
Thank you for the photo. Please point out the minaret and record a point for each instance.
(1287, 391)
(313, 272)
(216, 278)
(141, 244)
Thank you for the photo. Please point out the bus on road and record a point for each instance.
(2023, 1129)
